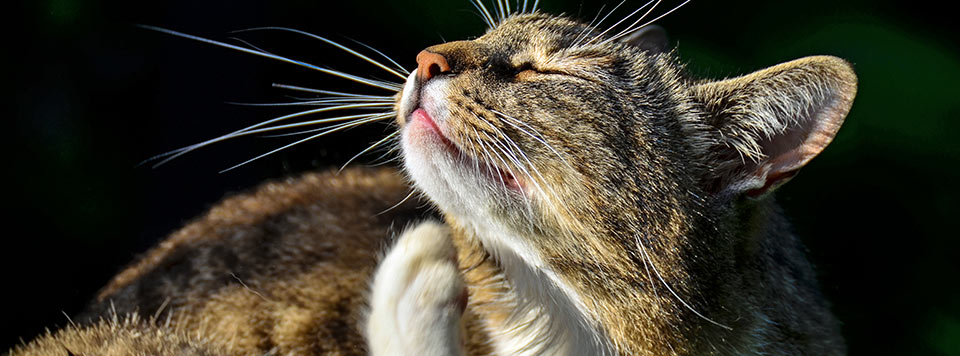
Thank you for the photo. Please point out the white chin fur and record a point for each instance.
(444, 175)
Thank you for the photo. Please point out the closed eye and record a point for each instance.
(527, 69)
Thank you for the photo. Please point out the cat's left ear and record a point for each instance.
(768, 124)
(650, 38)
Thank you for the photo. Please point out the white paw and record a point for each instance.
(418, 296)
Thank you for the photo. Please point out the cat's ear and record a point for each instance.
(770, 123)
(650, 38)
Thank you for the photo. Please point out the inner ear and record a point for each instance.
(650, 38)
(770, 123)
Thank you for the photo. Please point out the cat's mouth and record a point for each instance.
(425, 125)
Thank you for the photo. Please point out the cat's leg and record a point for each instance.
(418, 296)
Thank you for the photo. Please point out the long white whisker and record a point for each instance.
(361, 117)
(396, 65)
(519, 152)
(635, 22)
(412, 192)
(251, 45)
(498, 146)
(488, 159)
(332, 130)
(332, 43)
(553, 194)
(326, 92)
(589, 26)
(495, 152)
(377, 102)
(646, 255)
(184, 150)
(538, 137)
(648, 22)
(513, 156)
(482, 14)
(371, 82)
(489, 18)
(580, 40)
(374, 145)
(621, 21)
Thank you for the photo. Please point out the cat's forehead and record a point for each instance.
(529, 31)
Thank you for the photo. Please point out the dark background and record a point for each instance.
(93, 95)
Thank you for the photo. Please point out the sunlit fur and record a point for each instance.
(629, 225)
(599, 200)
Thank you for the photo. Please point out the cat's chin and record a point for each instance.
(456, 181)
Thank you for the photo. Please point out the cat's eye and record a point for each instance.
(527, 69)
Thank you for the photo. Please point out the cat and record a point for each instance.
(575, 193)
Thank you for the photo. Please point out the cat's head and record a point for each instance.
(548, 122)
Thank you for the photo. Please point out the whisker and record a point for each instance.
(184, 150)
(499, 6)
(315, 122)
(594, 27)
(382, 102)
(479, 13)
(498, 146)
(553, 194)
(326, 92)
(506, 166)
(646, 255)
(647, 23)
(538, 137)
(251, 45)
(371, 82)
(513, 156)
(374, 145)
(396, 65)
(332, 43)
(622, 20)
(628, 28)
(519, 152)
(323, 133)
(486, 157)
(486, 13)
(589, 26)
(411, 194)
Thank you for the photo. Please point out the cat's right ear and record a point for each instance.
(650, 38)
(768, 124)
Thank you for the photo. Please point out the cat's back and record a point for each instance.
(281, 269)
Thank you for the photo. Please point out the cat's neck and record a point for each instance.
(526, 307)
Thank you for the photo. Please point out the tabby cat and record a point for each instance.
(576, 194)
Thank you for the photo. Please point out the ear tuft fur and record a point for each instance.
(772, 122)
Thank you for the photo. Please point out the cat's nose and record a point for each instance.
(429, 64)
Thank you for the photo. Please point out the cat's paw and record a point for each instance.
(418, 296)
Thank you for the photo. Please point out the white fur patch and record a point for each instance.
(417, 295)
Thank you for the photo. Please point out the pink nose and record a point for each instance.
(430, 64)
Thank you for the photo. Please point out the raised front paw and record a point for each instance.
(418, 296)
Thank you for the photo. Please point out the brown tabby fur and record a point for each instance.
(648, 181)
